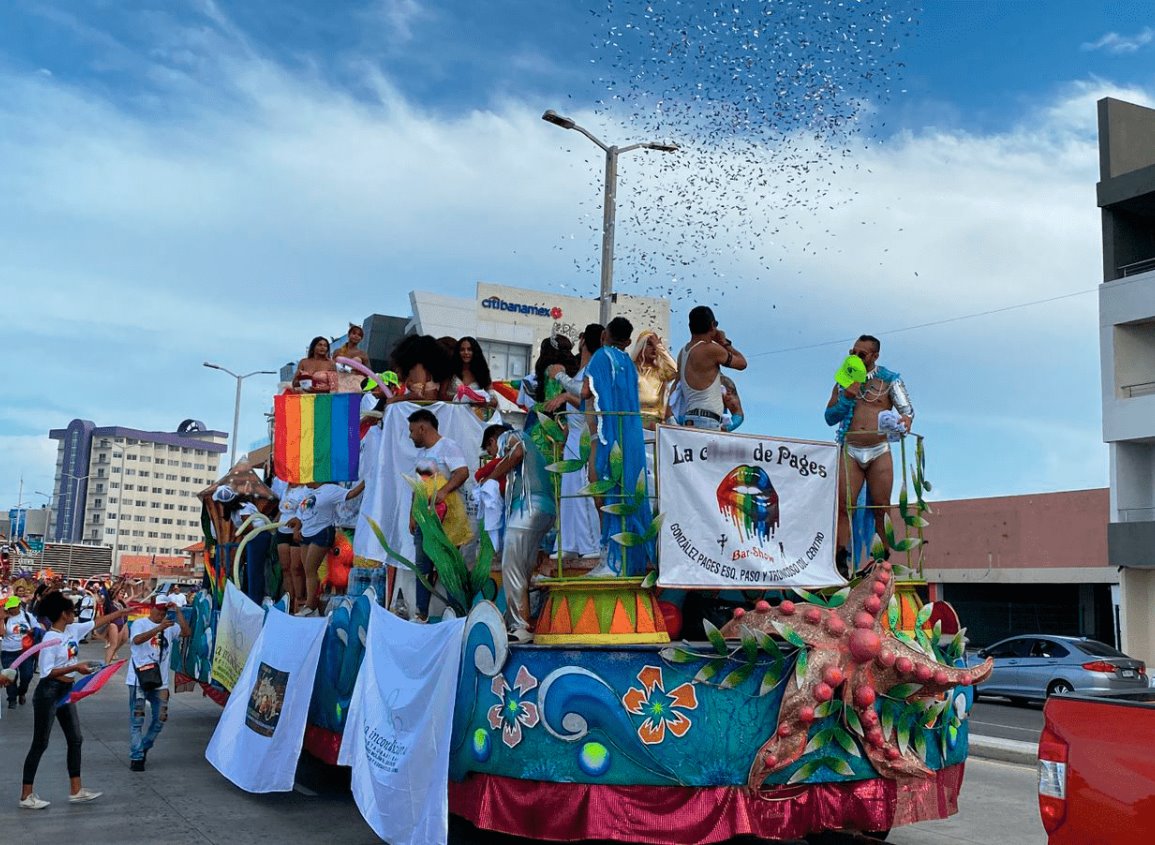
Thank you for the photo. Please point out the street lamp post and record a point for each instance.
(76, 479)
(237, 404)
(609, 202)
(47, 525)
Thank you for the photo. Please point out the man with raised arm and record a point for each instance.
(700, 366)
(858, 410)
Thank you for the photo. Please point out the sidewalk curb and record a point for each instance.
(1004, 750)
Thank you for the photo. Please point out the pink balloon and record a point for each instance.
(365, 371)
(29, 652)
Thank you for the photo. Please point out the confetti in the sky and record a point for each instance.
(768, 101)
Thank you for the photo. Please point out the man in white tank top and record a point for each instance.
(700, 366)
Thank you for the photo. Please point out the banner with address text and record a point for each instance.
(747, 512)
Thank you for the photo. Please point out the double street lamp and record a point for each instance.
(609, 204)
(237, 403)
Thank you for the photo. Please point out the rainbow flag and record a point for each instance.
(316, 436)
(508, 389)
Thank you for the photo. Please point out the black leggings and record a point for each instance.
(44, 699)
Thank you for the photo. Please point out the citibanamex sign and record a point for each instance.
(496, 303)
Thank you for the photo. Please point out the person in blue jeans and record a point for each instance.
(18, 635)
(151, 639)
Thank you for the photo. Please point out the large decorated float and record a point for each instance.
(821, 704)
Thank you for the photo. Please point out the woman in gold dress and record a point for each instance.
(656, 373)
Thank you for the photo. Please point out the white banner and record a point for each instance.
(399, 726)
(259, 737)
(745, 511)
(385, 462)
(238, 627)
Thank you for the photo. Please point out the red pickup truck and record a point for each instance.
(1097, 769)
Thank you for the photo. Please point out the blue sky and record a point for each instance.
(195, 180)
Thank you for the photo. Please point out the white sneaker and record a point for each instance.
(520, 635)
(84, 795)
(308, 611)
(34, 802)
(602, 570)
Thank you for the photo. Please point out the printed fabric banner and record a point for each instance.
(259, 737)
(317, 436)
(237, 629)
(399, 727)
(744, 511)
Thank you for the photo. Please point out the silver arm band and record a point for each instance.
(900, 398)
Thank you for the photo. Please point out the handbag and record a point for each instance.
(148, 677)
(33, 636)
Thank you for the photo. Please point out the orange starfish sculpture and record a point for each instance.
(850, 652)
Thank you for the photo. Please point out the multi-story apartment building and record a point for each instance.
(133, 491)
(1126, 195)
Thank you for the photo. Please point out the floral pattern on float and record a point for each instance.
(648, 715)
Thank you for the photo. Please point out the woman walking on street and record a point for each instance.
(58, 669)
(116, 634)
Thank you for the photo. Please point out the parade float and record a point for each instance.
(821, 704)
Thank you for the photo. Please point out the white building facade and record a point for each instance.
(130, 490)
(1126, 194)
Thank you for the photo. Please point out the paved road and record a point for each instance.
(998, 806)
(187, 801)
(995, 717)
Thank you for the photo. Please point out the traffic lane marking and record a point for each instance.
(1032, 731)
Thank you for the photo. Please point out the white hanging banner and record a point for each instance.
(399, 727)
(238, 628)
(745, 512)
(259, 737)
(391, 456)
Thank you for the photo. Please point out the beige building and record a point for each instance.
(130, 490)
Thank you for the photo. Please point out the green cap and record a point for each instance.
(851, 371)
(388, 377)
(13, 601)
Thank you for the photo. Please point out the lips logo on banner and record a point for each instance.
(748, 498)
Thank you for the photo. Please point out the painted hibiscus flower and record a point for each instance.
(663, 710)
(513, 710)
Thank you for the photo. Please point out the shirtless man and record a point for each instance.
(866, 451)
(700, 366)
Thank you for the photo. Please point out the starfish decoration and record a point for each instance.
(848, 653)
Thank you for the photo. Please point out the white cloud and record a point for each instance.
(1115, 43)
(399, 16)
(135, 248)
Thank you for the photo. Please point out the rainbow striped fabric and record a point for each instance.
(316, 436)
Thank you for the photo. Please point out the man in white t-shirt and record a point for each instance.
(448, 461)
(87, 610)
(18, 635)
(151, 639)
(175, 597)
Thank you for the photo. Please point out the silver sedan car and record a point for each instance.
(1039, 665)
